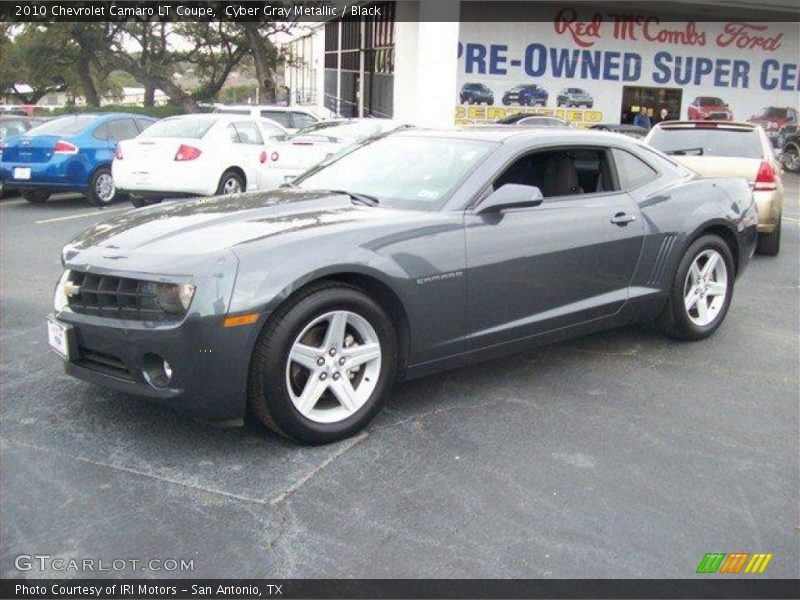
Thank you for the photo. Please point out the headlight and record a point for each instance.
(60, 301)
(174, 298)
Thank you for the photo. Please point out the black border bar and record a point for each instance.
(467, 589)
(26, 11)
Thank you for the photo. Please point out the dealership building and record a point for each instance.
(444, 62)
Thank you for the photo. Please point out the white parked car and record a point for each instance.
(193, 155)
(300, 151)
(292, 118)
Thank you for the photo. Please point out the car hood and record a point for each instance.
(211, 225)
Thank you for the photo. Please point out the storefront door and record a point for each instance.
(653, 99)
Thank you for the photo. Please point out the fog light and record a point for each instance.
(157, 371)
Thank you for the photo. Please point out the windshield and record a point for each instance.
(707, 101)
(401, 171)
(518, 88)
(707, 142)
(192, 127)
(70, 125)
(348, 131)
(773, 113)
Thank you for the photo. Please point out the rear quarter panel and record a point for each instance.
(675, 215)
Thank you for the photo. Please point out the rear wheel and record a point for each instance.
(701, 291)
(769, 244)
(230, 183)
(101, 188)
(323, 365)
(35, 196)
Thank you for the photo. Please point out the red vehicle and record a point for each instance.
(705, 108)
(772, 118)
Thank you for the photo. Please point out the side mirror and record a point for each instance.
(511, 195)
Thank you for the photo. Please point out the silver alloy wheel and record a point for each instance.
(104, 187)
(333, 366)
(705, 288)
(231, 186)
(791, 160)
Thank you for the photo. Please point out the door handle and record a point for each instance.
(622, 219)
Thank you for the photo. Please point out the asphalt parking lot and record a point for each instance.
(623, 454)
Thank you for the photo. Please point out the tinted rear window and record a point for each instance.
(707, 142)
(70, 125)
(195, 128)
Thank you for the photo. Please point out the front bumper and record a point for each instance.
(210, 362)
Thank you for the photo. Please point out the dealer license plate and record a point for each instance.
(58, 336)
(22, 173)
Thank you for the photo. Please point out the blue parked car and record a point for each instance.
(68, 154)
(526, 95)
(476, 93)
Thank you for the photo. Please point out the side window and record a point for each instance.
(122, 129)
(143, 124)
(302, 120)
(632, 171)
(248, 133)
(279, 116)
(792, 116)
(101, 133)
(232, 134)
(563, 172)
(270, 130)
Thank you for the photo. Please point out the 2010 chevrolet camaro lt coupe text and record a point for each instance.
(401, 256)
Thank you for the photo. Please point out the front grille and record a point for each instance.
(104, 363)
(119, 297)
(718, 116)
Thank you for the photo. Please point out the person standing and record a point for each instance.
(642, 120)
(663, 115)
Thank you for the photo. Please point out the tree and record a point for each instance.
(36, 59)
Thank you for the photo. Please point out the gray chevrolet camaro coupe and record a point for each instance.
(408, 254)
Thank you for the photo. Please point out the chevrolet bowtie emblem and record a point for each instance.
(71, 290)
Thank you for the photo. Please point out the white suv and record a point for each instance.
(291, 118)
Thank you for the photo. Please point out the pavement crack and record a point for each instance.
(305, 478)
(131, 471)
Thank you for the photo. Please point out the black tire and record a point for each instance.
(506, 102)
(36, 196)
(267, 393)
(490, 102)
(769, 244)
(789, 158)
(93, 195)
(229, 176)
(674, 320)
(142, 201)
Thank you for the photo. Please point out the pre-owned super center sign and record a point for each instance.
(746, 65)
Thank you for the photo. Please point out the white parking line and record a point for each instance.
(85, 214)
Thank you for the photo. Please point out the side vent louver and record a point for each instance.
(660, 264)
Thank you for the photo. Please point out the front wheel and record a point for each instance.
(101, 188)
(701, 291)
(323, 365)
(790, 158)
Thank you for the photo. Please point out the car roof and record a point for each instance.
(275, 107)
(737, 125)
(508, 134)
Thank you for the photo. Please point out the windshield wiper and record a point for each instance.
(698, 151)
(357, 197)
